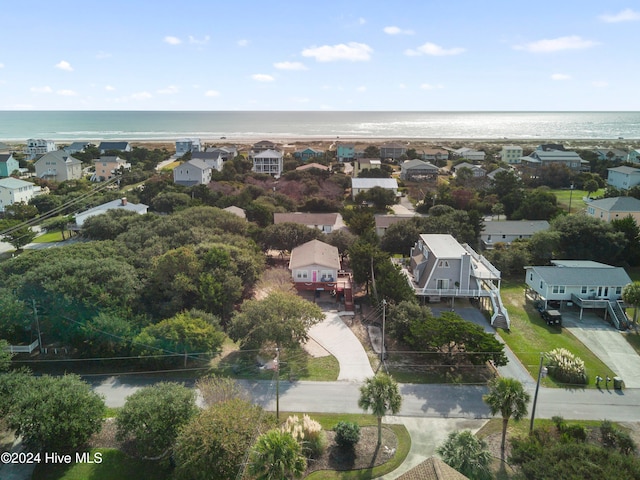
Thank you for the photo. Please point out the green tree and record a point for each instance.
(215, 389)
(5, 356)
(55, 413)
(107, 334)
(591, 186)
(539, 204)
(16, 319)
(286, 236)
(277, 456)
(59, 223)
(381, 198)
(214, 443)
(19, 236)
(631, 295)
(629, 227)
(467, 454)
(380, 395)
(400, 237)
(153, 416)
(20, 211)
(281, 319)
(508, 397)
(371, 151)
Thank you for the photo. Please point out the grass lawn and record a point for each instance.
(633, 339)
(530, 336)
(115, 465)
(49, 237)
(565, 194)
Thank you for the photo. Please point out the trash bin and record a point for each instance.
(617, 383)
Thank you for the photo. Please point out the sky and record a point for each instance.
(416, 55)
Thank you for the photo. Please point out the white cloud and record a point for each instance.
(397, 31)
(434, 50)
(402, 86)
(290, 66)
(600, 84)
(353, 52)
(41, 89)
(109, 88)
(64, 65)
(560, 76)
(573, 42)
(197, 41)
(429, 86)
(362, 88)
(211, 93)
(626, 15)
(168, 90)
(141, 96)
(262, 77)
(243, 42)
(66, 93)
(172, 40)
(362, 21)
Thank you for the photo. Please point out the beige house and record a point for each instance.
(615, 208)
(361, 164)
(58, 166)
(108, 167)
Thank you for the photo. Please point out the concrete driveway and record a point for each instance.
(607, 343)
(338, 339)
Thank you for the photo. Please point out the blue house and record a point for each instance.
(8, 164)
(345, 152)
(307, 154)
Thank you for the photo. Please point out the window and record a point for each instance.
(302, 274)
(530, 276)
(583, 290)
(443, 263)
(618, 290)
(558, 289)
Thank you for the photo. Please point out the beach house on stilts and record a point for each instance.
(441, 268)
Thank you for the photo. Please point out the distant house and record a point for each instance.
(315, 266)
(623, 178)
(120, 204)
(511, 154)
(510, 230)
(215, 158)
(108, 167)
(269, 162)
(583, 283)
(310, 166)
(361, 164)
(611, 154)
(345, 152)
(105, 147)
(614, 208)
(385, 221)
(475, 169)
(634, 155)
(416, 170)
(225, 153)
(470, 154)
(307, 154)
(13, 190)
(492, 175)
(263, 146)
(325, 222)
(237, 211)
(76, 147)
(185, 145)
(8, 164)
(392, 150)
(38, 146)
(434, 155)
(442, 267)
(363, 184)
(193, 172)
(58, 166)
(544, 158)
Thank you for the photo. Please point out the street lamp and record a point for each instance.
(542, 372)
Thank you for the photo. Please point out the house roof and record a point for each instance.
(390, 183)
(435, 151)
(570, 275)
(115, 204)
(556, 155)
(617, 204)
(110, 159)
(4, 157)
(315, 252)
(470, 166)
(418, 165)
(433, 468)
(113, 146)
(309, 166)
(443, 245)
(625, 170)
(13, 183)
(77, 146)
(384, 221)
(198, 163)
(515, 227)
(60, 155)
(268, 154)
(306, 218)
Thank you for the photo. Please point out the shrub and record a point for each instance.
(308, 433)
(613, 438)
(347, 434)
(565, 367)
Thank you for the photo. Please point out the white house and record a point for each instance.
(583, 283)
(325, 222)
(13, 191)
(510, 230)
(623, 178)
(363, 184)
(476, 170)
(193, 172)
(58, 166)
(38, 146)
(634, 155)
(511, 154)
(215, 159)
(121, 204)
(470, 154)
(269, 162)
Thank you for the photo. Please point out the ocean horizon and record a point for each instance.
(151, 125)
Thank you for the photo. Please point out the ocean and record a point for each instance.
(67, 126)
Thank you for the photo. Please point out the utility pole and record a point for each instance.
(570, 197)
(541, 373)
(384, 315)
(277, 383)
(35, 315)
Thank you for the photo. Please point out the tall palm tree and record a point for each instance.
(380, 394)
(277, 456)
(507, 396)
(467, 454)
(631, 295)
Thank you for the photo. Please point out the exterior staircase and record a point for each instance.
(617, 314)
(500, 317)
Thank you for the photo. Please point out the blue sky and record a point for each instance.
(320, 55)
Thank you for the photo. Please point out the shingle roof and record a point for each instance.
(4, 157)
(374, 182)
(432, 469)
(617, 204)
(515, 227)
(625, 170)
(418, 164)
(588, 276)
(315, 252)
(306, 218)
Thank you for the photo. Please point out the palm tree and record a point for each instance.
(507, 396)
(467, 454)
(277, 456)
(380, 395)
(631, 295)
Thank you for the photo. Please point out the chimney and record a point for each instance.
(123, 201)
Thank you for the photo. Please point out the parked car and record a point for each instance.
(552, 317)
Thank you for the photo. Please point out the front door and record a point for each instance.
(442, 283)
